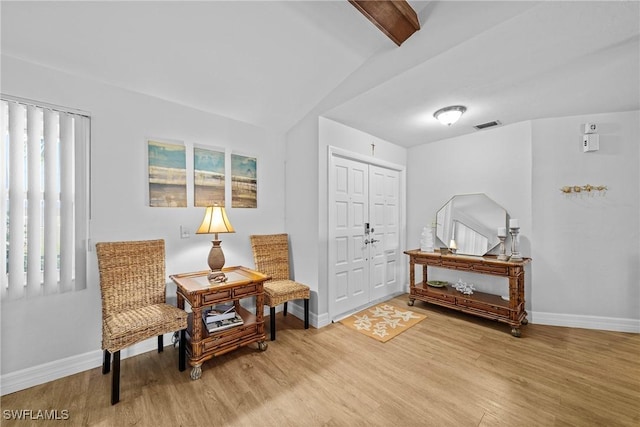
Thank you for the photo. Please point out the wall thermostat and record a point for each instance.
(590, 142)
(590, 128)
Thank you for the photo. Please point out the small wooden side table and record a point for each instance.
(196, 289)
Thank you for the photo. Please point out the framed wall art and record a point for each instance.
(167, 174)
(244, 182)
(208, 177)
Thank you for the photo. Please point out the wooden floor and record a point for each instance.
(449, 370)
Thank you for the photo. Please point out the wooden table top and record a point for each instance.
(489, 259)
(197, 282)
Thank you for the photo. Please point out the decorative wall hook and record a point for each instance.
(589, 189)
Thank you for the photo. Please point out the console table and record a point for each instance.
(196, 289)
(480, 304)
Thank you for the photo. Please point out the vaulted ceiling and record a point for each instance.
(270, 63)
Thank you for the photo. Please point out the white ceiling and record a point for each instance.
(270, 63)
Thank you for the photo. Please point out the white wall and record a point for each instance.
(48, 329)
(496, 162)
(302, 207)
(585, 250)
(586, 253)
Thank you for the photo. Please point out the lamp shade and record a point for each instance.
(215, 221)
(449, 115)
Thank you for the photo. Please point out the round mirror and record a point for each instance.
(470, 222)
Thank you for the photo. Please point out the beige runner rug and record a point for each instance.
(382, 321)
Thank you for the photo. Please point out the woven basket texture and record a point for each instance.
(133, 288)
(271, 257)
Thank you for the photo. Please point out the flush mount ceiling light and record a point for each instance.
(449, 115)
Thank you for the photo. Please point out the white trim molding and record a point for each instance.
(50, 371)
(586, 322)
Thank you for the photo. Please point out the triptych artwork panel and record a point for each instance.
(167, 169)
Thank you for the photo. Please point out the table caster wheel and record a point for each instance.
(515, 332)
(262, 345)
(525, 321)
(411, 302)
(196, 372)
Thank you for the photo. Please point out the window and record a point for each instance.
(44, 175)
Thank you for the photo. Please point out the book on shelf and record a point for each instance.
(219, 312)
(221, 325)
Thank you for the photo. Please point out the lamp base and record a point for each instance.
(216, 262)
(217, 276)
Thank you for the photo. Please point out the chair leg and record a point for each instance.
(115, 379)
(160, 344)
(182, 351)
(284, 312)
(306, 313)
(106, 362)
(272, 322)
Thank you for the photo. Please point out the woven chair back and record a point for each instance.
(132, 274)
(271, 255)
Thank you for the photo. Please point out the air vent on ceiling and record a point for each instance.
(488, 125)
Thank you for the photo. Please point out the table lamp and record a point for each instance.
(215, 221)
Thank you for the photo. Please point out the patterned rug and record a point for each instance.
(382, 321)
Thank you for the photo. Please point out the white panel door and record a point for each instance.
(384, 247)
(348, 262)
(364, 234)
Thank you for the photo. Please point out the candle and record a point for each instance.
(514, 223)
(502, 231)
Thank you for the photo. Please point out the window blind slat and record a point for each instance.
(66, 202)
(34, 197)
(16, 192)
(51, 200)
(4, 196)
(82, 135)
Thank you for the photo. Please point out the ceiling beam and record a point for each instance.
(396, 18)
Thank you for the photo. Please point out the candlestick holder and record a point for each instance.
(515, 244)
(502, 256)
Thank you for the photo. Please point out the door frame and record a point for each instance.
(333, 152)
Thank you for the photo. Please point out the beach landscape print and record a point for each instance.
(167, 174)
(244, 184)
(208, 177)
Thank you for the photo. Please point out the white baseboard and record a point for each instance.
(317, 321)
(586, 322)
(323, 320)
(29, 377)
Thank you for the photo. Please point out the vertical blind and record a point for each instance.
(44, 199)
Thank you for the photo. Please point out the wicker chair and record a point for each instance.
(271, 257)
(133, 287)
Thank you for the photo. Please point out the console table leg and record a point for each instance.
(411, 302)
(515, 332)
(196, 372)
(262, 345)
